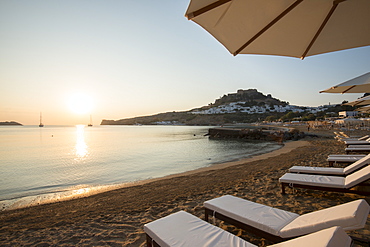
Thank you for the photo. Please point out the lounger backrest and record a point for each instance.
(349, 216)
(357, 165)
(331, 237)
(357, 177)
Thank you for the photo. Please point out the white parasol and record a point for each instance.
(296, 28)
(359, 84)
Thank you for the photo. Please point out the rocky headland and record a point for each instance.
(10, 123)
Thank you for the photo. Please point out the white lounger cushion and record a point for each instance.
(349, 216)
(314, 180)
(331, 170)
(328, 181)
(358, 142)
(357, 177)
(317, 170)
(358, 148)
(260, 216)
(345, 157)
(331, 237)
(185, 230)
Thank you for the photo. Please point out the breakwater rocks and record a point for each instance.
(263, 134)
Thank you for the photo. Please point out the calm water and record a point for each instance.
(45, 164)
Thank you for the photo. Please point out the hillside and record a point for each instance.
(244, 106)
(250, 97)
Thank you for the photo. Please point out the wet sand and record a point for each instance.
(116, 218)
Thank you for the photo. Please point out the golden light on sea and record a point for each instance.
(81, 147)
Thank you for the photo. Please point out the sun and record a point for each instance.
(80, 103)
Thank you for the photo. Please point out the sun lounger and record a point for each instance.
(357, 142)
(278, 225)
(354, 138)
(182, 229)
(358, 148)
(344, 158)
(328, 183)
(332, 171)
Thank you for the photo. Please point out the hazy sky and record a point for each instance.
(139, 57)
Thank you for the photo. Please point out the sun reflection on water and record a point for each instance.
(81, 147)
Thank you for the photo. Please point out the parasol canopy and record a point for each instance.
(295, 28)
(364, 109)
(360, 84)
(361, 101)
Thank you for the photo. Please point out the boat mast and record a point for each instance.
(90, 124)
(41, 125)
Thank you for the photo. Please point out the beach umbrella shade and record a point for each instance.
(364, 109)
(360, 84)
(361, 101)
(295, 28)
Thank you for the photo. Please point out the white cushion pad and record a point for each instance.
(345, 158)
(357, 177)
(317, 170)
(358, 148)
(260, 216)
(314, 180)
(331, 237)
(359, 142)
(349, 216)
(183, 229)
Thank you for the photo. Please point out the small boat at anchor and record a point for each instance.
(41, 124)
(90, 124)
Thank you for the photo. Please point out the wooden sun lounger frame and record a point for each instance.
(251, 229)
(366, 150)
(312, 187)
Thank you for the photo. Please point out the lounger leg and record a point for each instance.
(206, 215)
(283, 188)
(362, 241)
(148, 241)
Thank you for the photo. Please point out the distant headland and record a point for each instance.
(244, 106)
(10, 123)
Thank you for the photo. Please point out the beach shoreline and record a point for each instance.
(116, 218)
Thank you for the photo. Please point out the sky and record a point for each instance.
(115, 59)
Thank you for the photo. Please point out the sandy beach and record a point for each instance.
(116, 218)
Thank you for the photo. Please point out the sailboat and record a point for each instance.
(90, 124)
(41, 124)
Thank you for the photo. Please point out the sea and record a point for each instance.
(53, 163)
